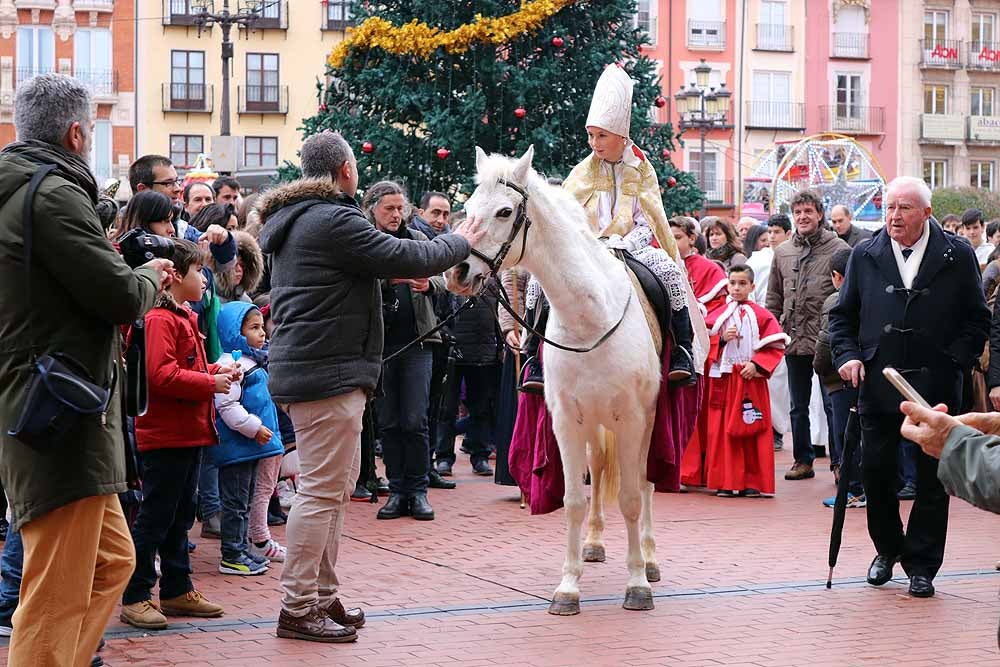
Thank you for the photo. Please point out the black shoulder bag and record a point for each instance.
(60, 391)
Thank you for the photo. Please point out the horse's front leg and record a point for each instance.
(566, 599)
(593, 545)
(646, 534)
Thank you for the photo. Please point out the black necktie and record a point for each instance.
(906, 253)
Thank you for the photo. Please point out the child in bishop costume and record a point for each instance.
(747, 345)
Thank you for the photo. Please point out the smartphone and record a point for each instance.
(904, 387)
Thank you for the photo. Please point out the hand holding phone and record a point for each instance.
(904, 387)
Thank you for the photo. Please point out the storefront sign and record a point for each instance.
(984, 128)
(943, 127)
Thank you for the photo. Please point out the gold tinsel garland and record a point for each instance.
(419, 39)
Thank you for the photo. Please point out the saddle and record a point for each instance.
(653, 296)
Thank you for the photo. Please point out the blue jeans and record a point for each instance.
(235, 490)
(842, 402)
(402, 420)
(209, 503)
(800, 373)
(11, 564)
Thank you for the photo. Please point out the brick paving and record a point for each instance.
(743, 584)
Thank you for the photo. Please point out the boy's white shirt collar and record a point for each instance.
(908, 268)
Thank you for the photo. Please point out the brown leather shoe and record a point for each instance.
(315, 626)
(352, 617)
(800, 471)
(192, 604)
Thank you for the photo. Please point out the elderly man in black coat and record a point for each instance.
(911, 300)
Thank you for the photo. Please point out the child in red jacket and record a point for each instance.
(179, 422)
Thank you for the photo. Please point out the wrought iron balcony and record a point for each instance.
(274, 15)
(851, 45)
(336, 14)
(775, 37)
(763, 115)
(710, 35)
(718, 193)
(179, 12)
(941, 53)
(262, 99)
(853, 119)
(984, 56)
(188, 97)
(103, 83)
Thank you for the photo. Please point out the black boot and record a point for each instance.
(682, 371)
(532, 381)
(436, 481)
(398, 505)
(420, 509)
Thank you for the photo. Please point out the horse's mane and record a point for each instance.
(560, 207)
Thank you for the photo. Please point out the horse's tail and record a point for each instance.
(611, 479)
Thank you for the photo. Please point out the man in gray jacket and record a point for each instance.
(326, 358)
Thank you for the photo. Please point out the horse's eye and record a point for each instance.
(505, 212)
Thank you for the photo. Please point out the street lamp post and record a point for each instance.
(247, 13)
(702, 108)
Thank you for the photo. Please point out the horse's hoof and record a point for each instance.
(565, 604)
(652, 572)
(593, 553)
(638, 599)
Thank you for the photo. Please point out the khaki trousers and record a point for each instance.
(328, 440)
(77, 560)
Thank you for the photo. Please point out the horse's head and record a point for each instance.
(500, 203)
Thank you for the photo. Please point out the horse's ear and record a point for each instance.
(524, 164)
(480, 158)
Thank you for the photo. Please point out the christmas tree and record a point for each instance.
(416, 88)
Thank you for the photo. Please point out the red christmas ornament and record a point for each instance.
(443, 153)
(640, 48)
(671, 181)
(368, 147)
(520, 112)
(557, 42)
(323, 108)
(660, 101)
(666, 154)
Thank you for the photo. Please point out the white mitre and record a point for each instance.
(611, 107)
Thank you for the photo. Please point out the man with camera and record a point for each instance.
(326, 358)
(66, 305)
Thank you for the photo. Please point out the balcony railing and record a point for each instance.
(178, 12)
(94, 5)
(984, 56)
(188, 97)
(775, 115)
(336, 15)
(853, 119)
(775, 37)
(709, 35)
(850, 45)
(101, 82)
(718, 193)
(941, 53)
(262, 99)
(276, 17)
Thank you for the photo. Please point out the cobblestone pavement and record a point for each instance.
(743, 584)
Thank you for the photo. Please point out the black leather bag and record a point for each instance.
(60, 391)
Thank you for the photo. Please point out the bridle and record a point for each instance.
(521, 224)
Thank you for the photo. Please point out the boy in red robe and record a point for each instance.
(747, 345)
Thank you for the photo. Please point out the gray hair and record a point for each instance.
(375, 193)
(46, 106)
(324, 153)
(915, 185)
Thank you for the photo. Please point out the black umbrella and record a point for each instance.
(852, 439)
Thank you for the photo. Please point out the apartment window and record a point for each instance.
(645, 18)
(850, 33)
(92, 59)
(187, 79)
(982, 175)
(336, 16)
(850, 98)
(262, 82)
(36, 49)
(983, 30)
(260, 152)
(181, 7)
(773, 32)
(706, 28)
(935, 98)
(711, 186)
(100, 156)
(184, 149)
(981, 102)
(935, 27)
(936, 173)
(771, 105)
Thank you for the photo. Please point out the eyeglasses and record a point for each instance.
(172, 182)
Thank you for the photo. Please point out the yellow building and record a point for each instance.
(274, 72)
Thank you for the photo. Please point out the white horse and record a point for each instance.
(604, 398)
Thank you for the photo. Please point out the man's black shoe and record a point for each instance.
(436, 481)
(97, 661)
(533, 382)
(398, 505)
(361, 493)
(420, 509)
(482, 468)
(277, 519)
(908, 492)
(880, 571)
(382, 486)
(921, 586)
(443, 468)
(274, 511)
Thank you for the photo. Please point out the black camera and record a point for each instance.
(139, 247)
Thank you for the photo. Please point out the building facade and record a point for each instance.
(93, 40)
(275, 69)
(950, 70)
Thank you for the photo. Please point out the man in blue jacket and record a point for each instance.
(911, 300)
(326, 358)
